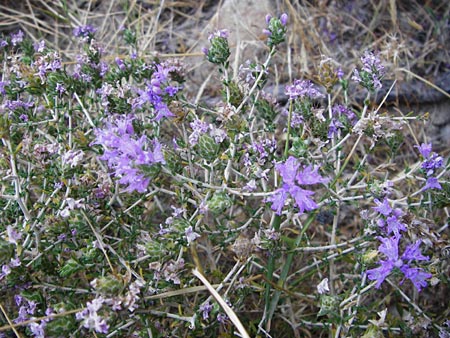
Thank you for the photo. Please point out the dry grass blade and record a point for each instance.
(230, 313)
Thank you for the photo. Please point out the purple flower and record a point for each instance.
(288, 170)
(278, 200)
(17, 38)
(389, 248)
(394, 225)
(190, 234)
(90, 317)
(39, 46)
(310, 175)
(333, 128)
(412, 252)
(128, 155)
(383, 207)
(13, 235)
(425, 149)
(38, 329)
(371, 73)
(284, 19)
(417, 276)
(157, 90)
(292, 177)
(432, 162)
(432, 183)
(301, 89)
(205, 308)
(120, 64)
(302, 200)
(84, 31)
(60, 88)
(3, 84)
(340, 110)
(379, 274)
(221, 33)
(199, 127)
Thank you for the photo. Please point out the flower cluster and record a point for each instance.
(341, 115)
(27, 311)
(219, 52)
(302, 89)
(389, 248)
(84, 32)
(130, 156)
(90, 317)
(392, 225)
(431, 162)
(276, 29)
(371, 73)
(293, 177)
(158, 89)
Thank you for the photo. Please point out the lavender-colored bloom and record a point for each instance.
(288, 170)
(303, 89)
(18, 299)
(38, 329)
(199, 127)
(432, 183)
(425, 149)
(60, 88)
(39, 46)
(126, 154)
(278, 200)
(284, 19)
(13, 235)
(389, 248)
(302, 200)
(412, 252)
(17, 38)
(292, 177)
(205, 309)
(222, 318)
(380, 273)
(120, 64)
(84, 31)
(205, 51)
(340, 110)
(433, 162)
(221, 33)
(3, 84)
(156, 88)
(383, 207)
(394, 225)
(333, 128)
(297, 119)
(417, 276)
(90, 317)
(190, 234)
(371, 73)
(310, 175)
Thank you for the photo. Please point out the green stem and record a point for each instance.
(284, 273)
(288, 133)
(276, 226)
